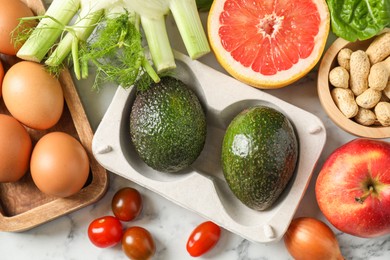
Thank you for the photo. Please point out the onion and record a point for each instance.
(309, 238)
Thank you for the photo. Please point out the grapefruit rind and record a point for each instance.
(256, 79)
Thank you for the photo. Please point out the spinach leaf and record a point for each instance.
(358, 19)
(204, 5)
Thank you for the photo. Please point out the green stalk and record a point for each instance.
(75, 57)
(82, 29)
(48, 30)
(136, 20)
(84, 69)
(187, 18)
(158, 42)
(150, 71)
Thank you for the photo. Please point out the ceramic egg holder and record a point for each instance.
(202, 187)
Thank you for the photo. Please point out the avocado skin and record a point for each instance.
(259, 156)
(168, 125)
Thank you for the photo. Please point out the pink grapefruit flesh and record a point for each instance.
(268, 43)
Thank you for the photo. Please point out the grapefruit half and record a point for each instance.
(268, 43)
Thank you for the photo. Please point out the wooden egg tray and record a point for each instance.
(22, 205)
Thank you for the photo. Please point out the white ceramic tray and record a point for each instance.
(202, 188)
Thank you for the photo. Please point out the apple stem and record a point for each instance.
(365, 195)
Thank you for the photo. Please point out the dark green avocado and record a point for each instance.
(259, 155)
(168, 125)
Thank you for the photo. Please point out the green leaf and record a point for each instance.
(358, 19)
(204, 5)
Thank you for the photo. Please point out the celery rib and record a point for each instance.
(120, 57)
(158, 43)
(82, 29)
(48, 30)
(190, 27)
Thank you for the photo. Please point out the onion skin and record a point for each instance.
(309, 238)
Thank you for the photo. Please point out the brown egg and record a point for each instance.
(59, 164)
(32, 95)
(15, 149)
(10, 12)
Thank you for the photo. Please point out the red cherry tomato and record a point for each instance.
(203, 238)
(126, 204)
(138, 243)
(105, 231)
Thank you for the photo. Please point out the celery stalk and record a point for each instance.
(150, 71)
(75, 57)
(91, 12)
(152, 13)
(82, 29)
(187, 18)
(49, 28)
(117, 50)
(158, 43)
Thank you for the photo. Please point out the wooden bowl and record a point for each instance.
(329, 61)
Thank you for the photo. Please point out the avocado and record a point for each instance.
(259, 155)
(168, 125)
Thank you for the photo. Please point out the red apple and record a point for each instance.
(353, 188)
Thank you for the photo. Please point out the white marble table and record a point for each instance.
(66, 237)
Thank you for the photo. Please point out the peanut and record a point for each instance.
(343, 58)
(365, 117)
(361, 82)
(339, 77)
(344, 100)
(369, 98)
(382, 112)
(379, 49)
(359, 70)
(379, 75)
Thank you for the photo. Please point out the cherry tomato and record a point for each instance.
(203, 238)
(126, 204)
(105, 231)
(138, 243)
